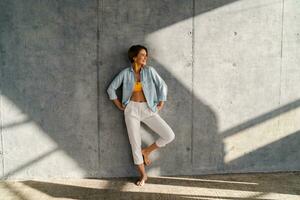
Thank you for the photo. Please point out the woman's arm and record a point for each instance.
(111, 90)
(160, 105)
(118, 104)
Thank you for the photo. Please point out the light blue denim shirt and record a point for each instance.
(154, 87)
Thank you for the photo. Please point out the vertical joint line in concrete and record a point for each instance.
(1, 126)
(282, 18)
(98, 95)
(193, 54)
(281, 54)
(281, 48)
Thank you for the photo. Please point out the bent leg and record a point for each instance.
(158, 125)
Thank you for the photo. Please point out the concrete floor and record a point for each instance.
(267, 186)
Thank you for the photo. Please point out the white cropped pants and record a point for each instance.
(136, 112)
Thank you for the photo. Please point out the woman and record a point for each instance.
(144, 93)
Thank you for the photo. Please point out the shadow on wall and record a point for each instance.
(198, 139)
(51, 78)
(48, 85)
(45, 79)
(285, 152)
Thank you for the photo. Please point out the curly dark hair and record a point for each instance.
(134, 51)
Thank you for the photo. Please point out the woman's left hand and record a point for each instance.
(160, 105)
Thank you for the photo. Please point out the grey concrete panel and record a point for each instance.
(1, 112)
(231, 68)
(1, 135)
(125, 23)
(281, 153)
(237, 77)
(2, 4)
(290, 78)
(289, 123)
(49, 94)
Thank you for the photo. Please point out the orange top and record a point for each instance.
(137, 87)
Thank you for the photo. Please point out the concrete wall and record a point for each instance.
(231, 68)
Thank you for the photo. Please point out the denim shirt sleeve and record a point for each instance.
(160, 84)
(111, 90)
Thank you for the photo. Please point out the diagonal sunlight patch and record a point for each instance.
(6, 126)
(262, 134)
(212, 193)
(206, 180)
(220, 86)
(12, 192)
(35, 159)
(176, 68)
(161, 43)
(99, 188)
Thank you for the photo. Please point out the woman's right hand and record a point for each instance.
(119, 104)
(122, 107)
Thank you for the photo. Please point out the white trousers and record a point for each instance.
(136, 112)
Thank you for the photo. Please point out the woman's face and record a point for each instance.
(141, 58)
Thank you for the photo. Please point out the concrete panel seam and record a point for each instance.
(98, 71)
(99, 30)
(192, 95)
(282, 18)
(1, 127)
(281, 54)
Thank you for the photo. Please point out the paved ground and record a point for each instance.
(267, 186)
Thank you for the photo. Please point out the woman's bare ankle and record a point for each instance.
(145, 151)
(144, 177)
(147, 161)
